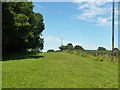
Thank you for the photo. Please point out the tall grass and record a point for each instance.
(97, 55)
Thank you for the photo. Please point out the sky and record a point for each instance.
(88, 24)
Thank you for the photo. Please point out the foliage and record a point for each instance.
(69, 46)
(50, 50)
(116, 49)
(22, 27)
(78, 47)
(101, 48)
(103, 55)
(62, 47)
(58, 50)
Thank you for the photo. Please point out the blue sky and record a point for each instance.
(82, 23)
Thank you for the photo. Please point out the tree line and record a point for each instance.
(69, 46)
(21, 27)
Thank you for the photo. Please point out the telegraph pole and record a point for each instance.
(61, 42)
(113, 33)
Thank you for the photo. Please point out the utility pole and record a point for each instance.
(61, 42)
(113, 33)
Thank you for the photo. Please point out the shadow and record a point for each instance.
(21, 56)
(36, 57)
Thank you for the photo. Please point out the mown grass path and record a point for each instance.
(59, 70)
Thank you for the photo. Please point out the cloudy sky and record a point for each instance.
(88, 24)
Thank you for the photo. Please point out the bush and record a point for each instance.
(58, 50)
(50, 50)
(101, 48)
(77, 47)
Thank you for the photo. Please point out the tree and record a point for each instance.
(34, 40)
(22, 27)
(8, 31)
(77, 47)
(50, 50)
(101, 48)
(69, 46)
(62, 47)
(116, 49)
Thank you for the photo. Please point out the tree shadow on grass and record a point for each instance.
(36, 57)
(20, 56)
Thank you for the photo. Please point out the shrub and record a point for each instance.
(58, 50)
(101, 48)
(50, 50)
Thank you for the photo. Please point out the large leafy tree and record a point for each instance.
(22, 27)
(35, 41)
(8, 31)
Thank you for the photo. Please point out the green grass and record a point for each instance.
(59, 70)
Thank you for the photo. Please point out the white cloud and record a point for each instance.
(103, 21)
(96, 11)
(83, 6)
(52, 39)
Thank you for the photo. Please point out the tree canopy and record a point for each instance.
(116, 49)
(101, 48)
(21, 27)
(69, 46)
(62, 47)
(78, 47)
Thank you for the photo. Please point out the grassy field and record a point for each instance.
(58, 70)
